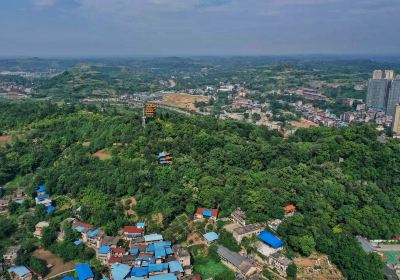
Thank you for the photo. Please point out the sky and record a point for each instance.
(48, 28)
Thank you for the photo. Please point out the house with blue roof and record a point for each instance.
(140, 272)
(141, 224)
(41, 190)
(84, 271)
(164, 158)
(166, 276)
(119, 271)
(158, 268)
(20, 272)
(270, 239)
(151, 238)
(210, 237)
(176, 268)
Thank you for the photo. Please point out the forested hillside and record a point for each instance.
(343, 182)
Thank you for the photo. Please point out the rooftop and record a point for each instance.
(270, 239)
(20, 270)
(246, 229)
(211, 236)
(153, 237)
(84, 271)
(207, 212)
(235, 259)
(119, 271)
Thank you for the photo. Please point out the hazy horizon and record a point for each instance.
(133, 28)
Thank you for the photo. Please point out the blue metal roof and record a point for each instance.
(77, 242)
(160, 252)
(84, 271)
(80, 228)
(104, 249)
(140, 224)
(134, 251)
(119, 271)
(158, 267)
(166, 276)
(169, 251)
(153, 237)
(207, 213)
(270, 239)
(211, 236)
(93, 233)
(50, 208)
(140, 271)
(43, 196)
(175, 266)
(20, 270)
(41, 188)
(162, 154)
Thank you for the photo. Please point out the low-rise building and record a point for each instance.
(39, 228)
(210, 237)
(130, 232)
(84, 271)
(246, 231)
(183, 257)
(206, 213)
(20, 272)
(4, 204)
(11, 255)
(279, 262)
(236, 262)
(239, 217)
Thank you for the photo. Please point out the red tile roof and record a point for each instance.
(114, 260)
(133, 230)
(214, 212)
(196, 277)
(77, 223)
(289, 208)
(118, 250)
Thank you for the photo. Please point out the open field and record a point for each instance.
(209, 269)
(102, 155)
(183, 100)
(58, 265)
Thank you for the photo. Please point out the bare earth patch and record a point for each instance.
(5, 139)
(58, 265)
(102, 155)
(317, 267)
(183, 100)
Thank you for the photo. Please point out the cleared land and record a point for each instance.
(317, 267)
(58, 265)
(182, 100)
(103, 155)
(5, 139)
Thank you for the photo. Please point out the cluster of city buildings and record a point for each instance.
(384, 96)
(388, 250)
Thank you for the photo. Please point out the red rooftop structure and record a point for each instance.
(206, 213)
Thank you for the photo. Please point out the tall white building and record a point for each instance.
(377, 74)
(389, 74)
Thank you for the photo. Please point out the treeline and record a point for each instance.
(343, 181)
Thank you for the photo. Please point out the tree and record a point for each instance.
(291, 271)
(49, 236)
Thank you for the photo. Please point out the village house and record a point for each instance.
(116, 252)
(39, 228)
(236, 262)
(102, 254)
(183, 257)
(279, 262)
(246, 231)
(20, 272)
(110, 241)
(130, 232)
(289, 210)
(84, 272)
(176, 268)
(206, 213)
(92, 238)
(11, 255)
(210, 237)
(4, 204)
(239, 216)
